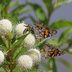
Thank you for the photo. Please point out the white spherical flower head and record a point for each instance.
(25, 62)
(20, 29)
(29, 40)
(70, 50)
(35, 55)
(1, 57)
(5, 25)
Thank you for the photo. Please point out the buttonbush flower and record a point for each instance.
(5, 26)
(25, 62)
(70, 50)
(35, 55)
(1, 57)
(29, 41)
(20, 29)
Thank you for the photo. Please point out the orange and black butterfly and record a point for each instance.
(50, 51)
(55, 52)
(43, 31)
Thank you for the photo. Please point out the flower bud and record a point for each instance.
(29, 41)
(5, 26)
(25, 62)
(1, 57)
(20, 29)
(35, 55)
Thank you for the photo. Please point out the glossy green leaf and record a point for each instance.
(61, 24)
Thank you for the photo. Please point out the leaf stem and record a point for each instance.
(54, 65)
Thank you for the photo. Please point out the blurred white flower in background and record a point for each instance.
(29, 41)
(70, 50)
(35, 55)
(20, 29)
(5, 26)
(1, 57)
(25, 62)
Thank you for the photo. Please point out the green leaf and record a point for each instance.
(6, 5)
(34, 69)
(39, 12)
(12, 17)
(53, 41)
(64, 36)
(61, 24)
(1, 7)
(49, 5)
(2, 69)
(41, 43)
(17, 44)
(17, 69)
(12, 4)
(2, 42)
(19, 40)
(61, 2)
(65, 63)
(69, 41)
(51, 65)
(54, 65)
(18, 52)
(18, 8)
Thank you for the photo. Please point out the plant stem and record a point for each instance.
(54, 65)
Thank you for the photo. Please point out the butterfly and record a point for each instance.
(50, 51)
(55, 52)
(43, 31)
